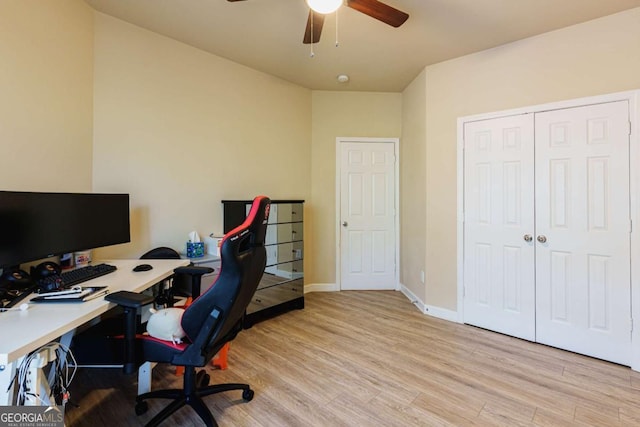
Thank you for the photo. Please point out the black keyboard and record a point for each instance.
(82, 274)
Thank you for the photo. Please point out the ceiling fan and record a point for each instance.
(373, 8)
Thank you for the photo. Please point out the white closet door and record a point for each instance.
(582, 210)
(499, 212)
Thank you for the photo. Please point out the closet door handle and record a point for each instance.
(542, 239)
(528, 238)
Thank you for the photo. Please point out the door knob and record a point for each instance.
(528, 238)
(344, 223)
(542, 239)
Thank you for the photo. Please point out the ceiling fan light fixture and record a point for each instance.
(324, 6)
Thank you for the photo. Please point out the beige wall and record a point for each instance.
(180, 130)
(339, 114)
(413, 186)
(46, 90)
(596, 57)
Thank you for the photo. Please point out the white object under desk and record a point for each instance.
(22, 332)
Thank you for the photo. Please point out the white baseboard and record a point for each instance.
(441, 313)
(430, 310)
(412, 297)
(321, 287)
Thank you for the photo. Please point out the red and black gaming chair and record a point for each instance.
(212, 319)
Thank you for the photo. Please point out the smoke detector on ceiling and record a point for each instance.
(343, 78)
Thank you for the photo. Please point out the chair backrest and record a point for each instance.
(161, 253)
(215, 317)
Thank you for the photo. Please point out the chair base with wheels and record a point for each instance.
(195, 384)
(195, 388)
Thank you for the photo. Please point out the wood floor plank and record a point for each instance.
(629, 416)
(506, 411)
(371, 359)
(460, 406)
(545, 417)
(594, 414)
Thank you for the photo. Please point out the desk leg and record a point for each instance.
(6, 381)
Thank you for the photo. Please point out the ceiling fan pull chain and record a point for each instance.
(337, 44)
(312, 54)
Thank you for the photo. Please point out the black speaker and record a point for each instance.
(15, 279)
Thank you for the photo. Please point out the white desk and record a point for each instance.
(22, 332)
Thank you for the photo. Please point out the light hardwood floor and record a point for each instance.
(372, 359)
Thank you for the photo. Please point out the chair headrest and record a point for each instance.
(254, 222)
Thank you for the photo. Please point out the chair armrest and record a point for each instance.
(129, 299)
(196, 274)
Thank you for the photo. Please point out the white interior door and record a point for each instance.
(499, 276)
(367, 213)
(582, 214)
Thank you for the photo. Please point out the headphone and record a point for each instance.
(47, 276)
(15, 279)
(45, 269)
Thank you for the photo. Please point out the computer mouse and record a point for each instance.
(142, 267)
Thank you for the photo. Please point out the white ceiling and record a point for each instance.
(267, 34)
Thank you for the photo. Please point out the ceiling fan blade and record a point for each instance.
(318, 21)
(380, 11)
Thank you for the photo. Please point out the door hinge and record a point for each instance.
(630, 226)
(631, 322)
(629, 127)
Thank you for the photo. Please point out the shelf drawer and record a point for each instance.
(289, 232)
(274, 295)
(285, 252)
(286, 270)
(290, 252)
(294, 267)
(283, 212)
(289, 212)
(282, 233)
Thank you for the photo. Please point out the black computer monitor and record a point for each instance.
(39, 225)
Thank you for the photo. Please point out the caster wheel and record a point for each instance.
(141, 407)
(247, 395)
(202, 379)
